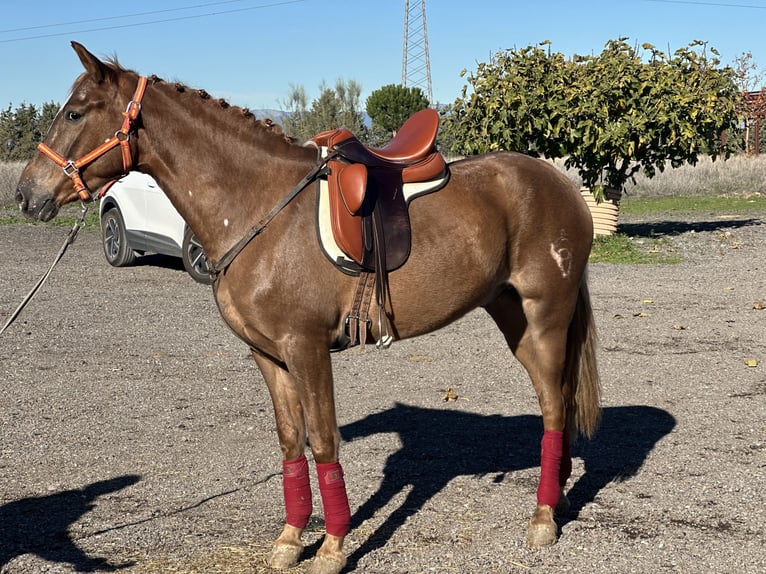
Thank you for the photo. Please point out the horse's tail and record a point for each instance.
(581, 381)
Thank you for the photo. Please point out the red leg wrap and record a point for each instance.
(566, 461)
(332, 487)
(551, 451)
(297, 489)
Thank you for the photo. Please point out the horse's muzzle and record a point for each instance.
(35, 206)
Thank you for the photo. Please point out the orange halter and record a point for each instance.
(121, 137)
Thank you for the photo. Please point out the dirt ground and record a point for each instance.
(136, 434)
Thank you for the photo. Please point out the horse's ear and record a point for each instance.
(95, 67)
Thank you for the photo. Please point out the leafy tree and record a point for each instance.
(337, 107)
(376, 136)
(390, 106)
(445, 139)
(611, 115)
(632, 114)
(518, 102)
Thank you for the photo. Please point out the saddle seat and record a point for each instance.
(412, 143)
(364, 181)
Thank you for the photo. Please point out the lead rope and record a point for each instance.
(67, 242)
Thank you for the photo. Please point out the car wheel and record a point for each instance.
(115, 239)
(194, 258)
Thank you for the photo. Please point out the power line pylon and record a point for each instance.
(416, 65)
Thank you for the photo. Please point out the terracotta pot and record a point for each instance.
(605, 213)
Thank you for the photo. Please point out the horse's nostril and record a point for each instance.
(20, 199)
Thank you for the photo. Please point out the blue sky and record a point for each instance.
(251, 51)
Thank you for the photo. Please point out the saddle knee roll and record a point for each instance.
(347, 186)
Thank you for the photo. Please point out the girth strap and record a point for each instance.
(381, 281)
(358, 320)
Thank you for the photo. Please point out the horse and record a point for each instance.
(508, 233)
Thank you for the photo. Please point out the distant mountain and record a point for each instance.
(277, 116)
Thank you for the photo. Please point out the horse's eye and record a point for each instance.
(73, 116)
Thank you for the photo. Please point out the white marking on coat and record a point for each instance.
(226, 223)
(562, 255)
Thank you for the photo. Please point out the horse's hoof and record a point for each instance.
(284, 556)
(327, 564)
(542, 528)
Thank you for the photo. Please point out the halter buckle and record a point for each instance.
(133, 109)
(70, 169)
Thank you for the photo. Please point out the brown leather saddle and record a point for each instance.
(368, 207)
(369, 212)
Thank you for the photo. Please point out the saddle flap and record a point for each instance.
(352, 184)
(346, 224)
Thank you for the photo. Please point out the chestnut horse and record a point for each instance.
(508, 233)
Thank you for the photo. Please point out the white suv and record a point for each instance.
(137, 218)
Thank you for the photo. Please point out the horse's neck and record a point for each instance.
(222, 173)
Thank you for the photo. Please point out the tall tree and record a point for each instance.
(20, 132)
(47, 115)
(21, 129)
(7, 133)
(336, 107)
(296, 106)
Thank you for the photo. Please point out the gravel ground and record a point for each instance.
(137, 435)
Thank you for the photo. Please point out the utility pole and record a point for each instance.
(416, 65)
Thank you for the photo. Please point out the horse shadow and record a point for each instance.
(40, 526)
(439, 445)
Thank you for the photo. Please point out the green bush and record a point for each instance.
(610, 115)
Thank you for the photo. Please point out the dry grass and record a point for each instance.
(9, 177)
(739, 175)
(223, 560)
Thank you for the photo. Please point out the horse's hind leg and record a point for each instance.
(535, 327)
(303, 400)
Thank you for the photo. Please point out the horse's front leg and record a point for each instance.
(304, 405)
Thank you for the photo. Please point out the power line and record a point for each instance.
(117, 17)
(717, 4)
(135, 24)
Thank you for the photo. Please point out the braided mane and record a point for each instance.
(245, 114)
